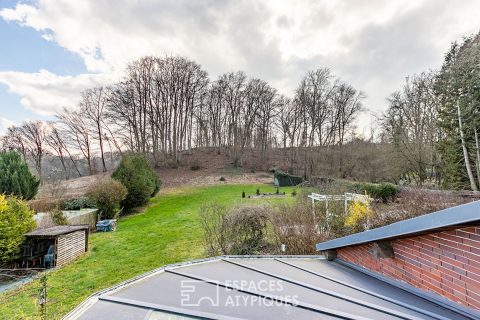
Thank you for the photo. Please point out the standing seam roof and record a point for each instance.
(323, 290)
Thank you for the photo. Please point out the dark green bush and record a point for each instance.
(16, 219)
(107, 196)
(15, 178)
(80, 203)
(382, 191)
(139, 178)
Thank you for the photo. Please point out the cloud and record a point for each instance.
(5, 124)
(373, 44)
(46, 93)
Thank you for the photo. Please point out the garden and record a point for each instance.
(186, 223)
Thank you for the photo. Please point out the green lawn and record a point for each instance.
(168, 231)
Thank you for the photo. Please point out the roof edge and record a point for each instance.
(68, 229)
(430, 296)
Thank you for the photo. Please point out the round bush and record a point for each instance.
(16, 219)
(15, 177)
(139, 178)
(384, 191)
(107, 196)
(78, 204)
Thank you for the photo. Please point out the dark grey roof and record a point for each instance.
(259, 288)
(55, 231)
(465, 214)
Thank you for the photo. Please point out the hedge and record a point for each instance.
(384, 191)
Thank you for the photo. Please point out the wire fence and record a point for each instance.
(28, 284)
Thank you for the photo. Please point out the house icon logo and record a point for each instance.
(191, 295)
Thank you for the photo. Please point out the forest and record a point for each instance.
(165, 106)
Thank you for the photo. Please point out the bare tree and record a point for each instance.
(411, 124)
(347, 105)
(34, 134)
(14, 140)
(58, 146)
(92, 106)
(77, 134)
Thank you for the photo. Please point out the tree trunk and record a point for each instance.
(477, 146)
(473, 184)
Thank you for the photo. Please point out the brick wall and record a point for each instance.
(446, 263)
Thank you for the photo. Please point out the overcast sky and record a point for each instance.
(53, 49)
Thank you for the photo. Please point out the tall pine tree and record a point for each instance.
(458, 89)
(15, 177)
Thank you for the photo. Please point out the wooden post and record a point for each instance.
(86, 239)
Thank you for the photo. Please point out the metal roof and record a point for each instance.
(301, 287)
(465, 214)
(55, 231)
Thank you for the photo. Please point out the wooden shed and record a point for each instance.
(67, 242)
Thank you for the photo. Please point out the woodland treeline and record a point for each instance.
(164, 106)
(433, 121)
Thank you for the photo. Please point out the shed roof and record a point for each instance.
(301, 287)
(462, 215)
(55, 231)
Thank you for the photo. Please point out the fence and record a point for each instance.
(74, 217)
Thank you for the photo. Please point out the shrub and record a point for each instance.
(359, 216)
(16, 219)
(80, 203)
(46, 204)
(139, 178)
(240, 230)
(294, 226)
(107, 196)
(58, 218)
(382, 191)
(412, 203)
(247, 226)
(15, 178)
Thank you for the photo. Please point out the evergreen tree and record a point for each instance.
(139, 178)
(15, 177)
(458, 89)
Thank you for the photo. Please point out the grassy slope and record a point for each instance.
(168, 231)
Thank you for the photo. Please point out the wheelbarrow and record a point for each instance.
(107, 225)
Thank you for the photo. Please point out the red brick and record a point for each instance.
(468, 229)
(447, 263)
(475, 250)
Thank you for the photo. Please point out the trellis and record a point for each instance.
(341, 197)
(346, 197)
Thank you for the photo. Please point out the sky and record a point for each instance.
(51, 50)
